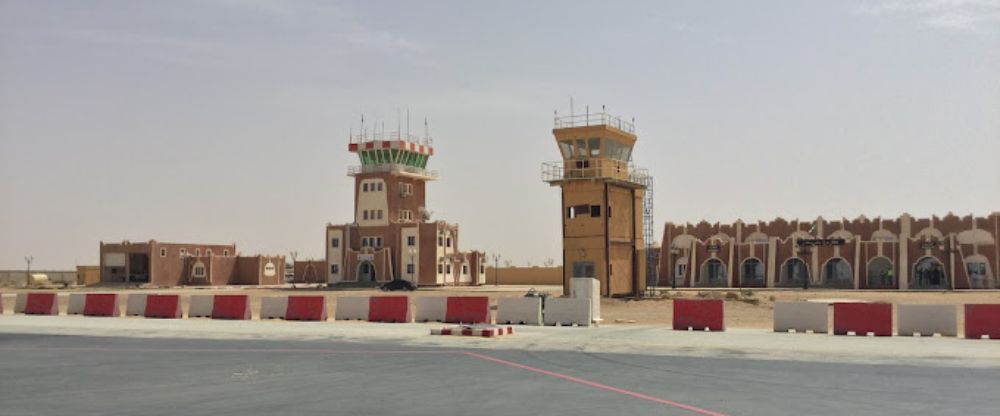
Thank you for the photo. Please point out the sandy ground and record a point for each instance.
(747, 309)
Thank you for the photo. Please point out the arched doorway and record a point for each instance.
(752, 273)
(928, 273)
(837, 273)
(713, 273)
(881, 274)
(366, 272)
(794, 272)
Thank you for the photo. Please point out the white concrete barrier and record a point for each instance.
(568, 311)
(77, 302)
(200, 306)
(802, 317)
(430, 308)
(273, 307)
(927, 320)
(135, 305)
(588, 288)
(351, 307)
(527, 311)
(20, 302)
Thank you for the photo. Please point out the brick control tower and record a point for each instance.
(603, 200)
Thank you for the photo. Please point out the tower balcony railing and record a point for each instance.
(582, 169)
(369, 136)
(393, 168)
(594, 119)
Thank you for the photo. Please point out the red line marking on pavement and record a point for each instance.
(596, 385)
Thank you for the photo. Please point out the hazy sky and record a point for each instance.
(227, 121)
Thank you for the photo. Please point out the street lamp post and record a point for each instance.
(27, 276)
(496, 269)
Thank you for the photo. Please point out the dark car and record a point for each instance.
(398, 285)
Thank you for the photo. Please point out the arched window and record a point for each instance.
(928, 273)
(794, 272)
(837, 273)
(752, 273)
(713, 273)
(980, 275)
(881, 274)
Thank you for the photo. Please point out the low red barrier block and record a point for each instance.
(231, 307)
(163, 306)
(389, 309)
(862, 318)
(699, 314)
(468, 309)
(41, 304)
(101, 304)
(982, 319)
(306, 308)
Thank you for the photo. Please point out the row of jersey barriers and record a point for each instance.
(876, 319)
(579, 311)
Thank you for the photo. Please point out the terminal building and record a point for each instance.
(164, 264)
(903, 253)
(606, 205)
(392, 235)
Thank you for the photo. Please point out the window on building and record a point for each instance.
(208, 252)
(380, 186)
(197, 252)
(609, 211)
(364, 241)
(566, 147)
(183, 252)
(334, 268)
(482, 269)
(409, 268)
(611, 269)
(448, 268)
(449, 242)
(198, 270)
(582, 164)
(364, 187)
(595, 146)
(163, 252)
(225, 252)
(378, 241)
(440, 241)
(411, 240)
(581, 148)
(595, 211)
(465, 269)
(365, 214)
(440, 268)
(334, 242)
(379, 214)
(578, 210)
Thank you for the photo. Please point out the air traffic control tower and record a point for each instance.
(605, 213)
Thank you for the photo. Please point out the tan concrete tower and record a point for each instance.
(602, 202)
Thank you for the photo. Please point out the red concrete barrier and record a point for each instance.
(41, 304)
(163, 306)
(231, 307)
(306, 308)
(699, 314)
(982, 319)
(862, 318)
(389, 309)
(468, 309)
(101, 304)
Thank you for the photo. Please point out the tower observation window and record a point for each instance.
(581, 148)
(595, 146)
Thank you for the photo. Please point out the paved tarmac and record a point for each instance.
(62, 375)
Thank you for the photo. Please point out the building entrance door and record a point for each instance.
(366, 272)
